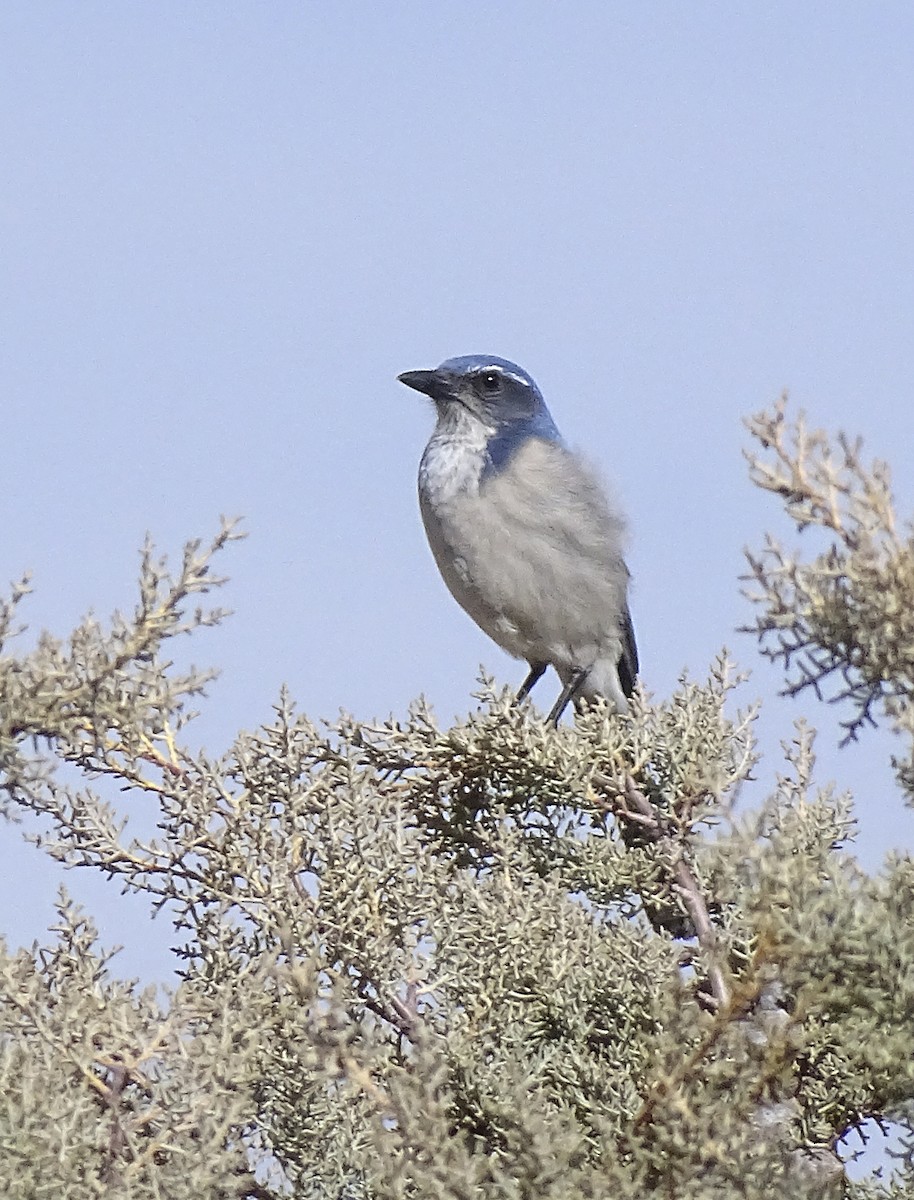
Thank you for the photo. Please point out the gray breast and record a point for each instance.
(533, 554)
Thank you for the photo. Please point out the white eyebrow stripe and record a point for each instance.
(496, 369)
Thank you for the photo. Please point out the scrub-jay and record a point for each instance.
(522, 532)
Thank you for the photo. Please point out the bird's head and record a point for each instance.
(498, 394)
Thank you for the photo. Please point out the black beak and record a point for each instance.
(433, 384)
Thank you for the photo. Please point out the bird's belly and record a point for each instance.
(462, 558)
(530, 601)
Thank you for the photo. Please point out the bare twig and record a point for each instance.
(116, 1082)
(633, 805)
(688, 889)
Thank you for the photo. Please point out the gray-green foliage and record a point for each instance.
(494, 960)
(841, 620)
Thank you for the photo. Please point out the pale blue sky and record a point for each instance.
(226, 228)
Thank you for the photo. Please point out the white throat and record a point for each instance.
(455, 457)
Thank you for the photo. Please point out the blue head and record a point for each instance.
(498, 394)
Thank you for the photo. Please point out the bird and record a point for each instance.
(523, 533)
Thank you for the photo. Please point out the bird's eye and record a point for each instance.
(491, 382)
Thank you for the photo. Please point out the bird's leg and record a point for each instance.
(537, 670)
(568, 693)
